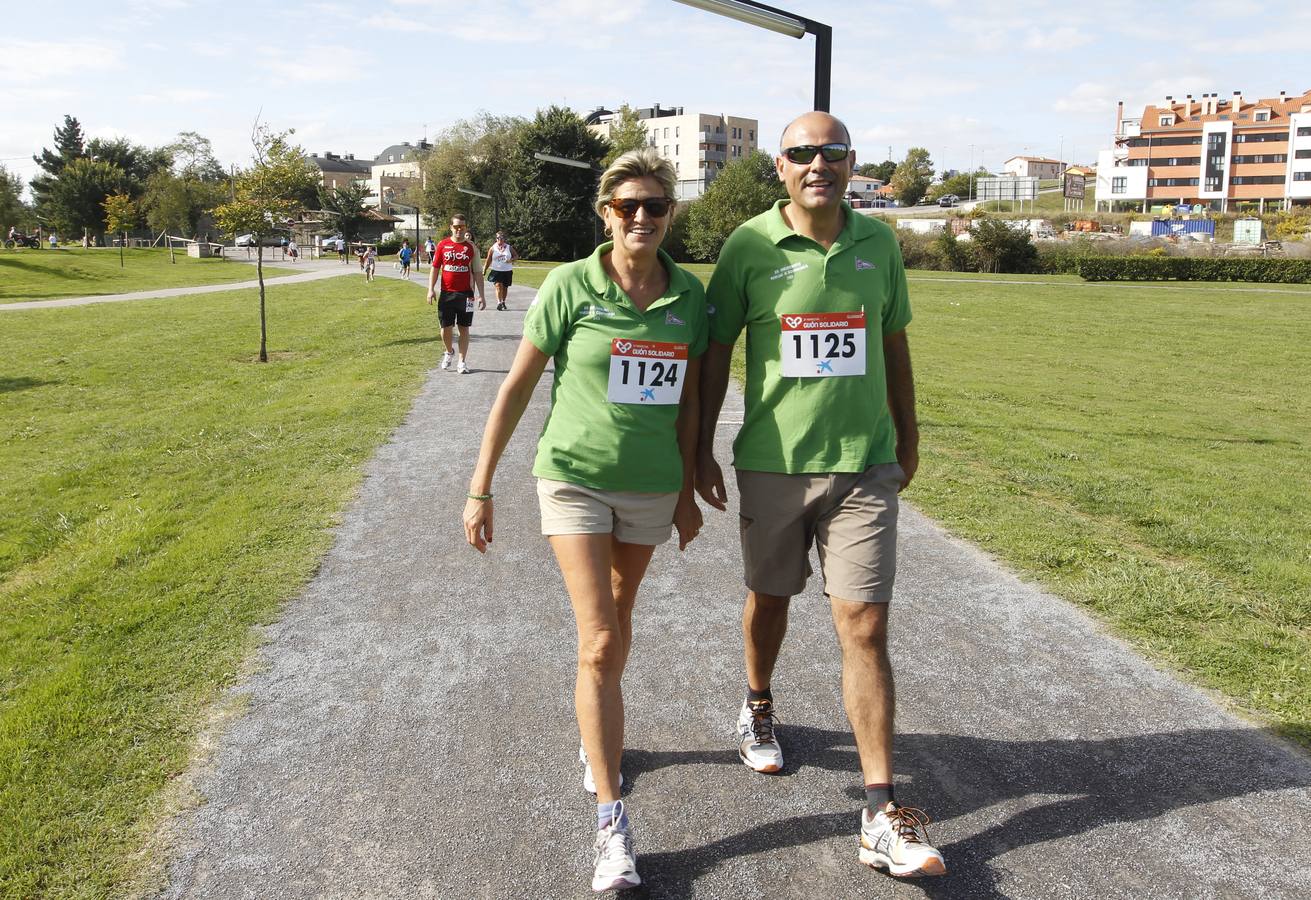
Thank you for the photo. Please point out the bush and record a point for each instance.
(954, 256)
(389, 247)
(1194, 268)
(919, 251)
(998, 247)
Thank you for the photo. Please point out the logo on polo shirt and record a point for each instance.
(788, 271)
(671, 319)
(862, 264)
(596, 310)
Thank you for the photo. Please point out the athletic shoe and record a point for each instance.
(897, 839)
(461, 368)
(759, 747)
(589, 783)
(502, 307)
(446, 360)
(616, 863)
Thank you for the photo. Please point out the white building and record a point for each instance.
(1033, 167)
(698, 144)
(396, 169)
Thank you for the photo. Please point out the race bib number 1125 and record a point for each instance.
(822, 345)
(648, 373)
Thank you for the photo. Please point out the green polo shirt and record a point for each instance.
(587, 439)
(766, 270)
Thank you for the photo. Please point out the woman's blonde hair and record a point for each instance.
(644, 162)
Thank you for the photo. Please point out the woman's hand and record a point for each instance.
(478, 523)
(687, 519)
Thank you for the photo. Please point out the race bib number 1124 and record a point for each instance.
(648, 373)
(822, 345)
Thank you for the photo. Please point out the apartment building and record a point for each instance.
(698, 144)
(1219, 153)
(337, 170)
(396, 169)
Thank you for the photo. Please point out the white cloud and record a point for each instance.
(31, 62)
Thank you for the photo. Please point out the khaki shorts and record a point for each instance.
(632, 517)
(851, 515)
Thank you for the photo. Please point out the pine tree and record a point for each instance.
(70, 144)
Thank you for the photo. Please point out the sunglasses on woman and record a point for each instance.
(803, 154)
(656, 207)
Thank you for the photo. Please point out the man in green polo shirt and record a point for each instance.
(828, 440)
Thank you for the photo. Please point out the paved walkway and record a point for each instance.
(410, 733)
(315, 270)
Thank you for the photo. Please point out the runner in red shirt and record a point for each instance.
(457, 264)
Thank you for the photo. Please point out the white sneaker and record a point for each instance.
(462, 369)
(589, 783)
(759, 747)
(898, 840)
(616, 863)
(446, 360)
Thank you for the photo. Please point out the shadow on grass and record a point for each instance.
(21, 383)
(1098, 783)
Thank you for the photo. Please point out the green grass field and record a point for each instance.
(75, 272)
(160, 492)
(1138, 450)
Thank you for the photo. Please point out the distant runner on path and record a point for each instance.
(456, 264)
(626, 328)
(828, 440)
(500, 268)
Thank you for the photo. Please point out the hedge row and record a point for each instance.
(1193, 268)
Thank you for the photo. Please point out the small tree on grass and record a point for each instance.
(120, 215)
(266, 194)
(745, 188)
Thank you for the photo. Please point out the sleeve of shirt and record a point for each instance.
(896, 313)
(548, 317)
(700, 322)
(726, 298)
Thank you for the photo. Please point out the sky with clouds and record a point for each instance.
(976, 80)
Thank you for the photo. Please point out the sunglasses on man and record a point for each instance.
(804, 153)
(656, 207)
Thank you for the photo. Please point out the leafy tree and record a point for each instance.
(913, 174)
(472, 153)
(13, 211)
(746, 187)
(345, 208)
(70, 144)
(193, 158)
(627, 132)
(120, 216)
(882, 171)
(266, 195)
(178, 204)
(136, 162)
(960, 183)
(76, 200)
(549, 209)
(999, 247)
(955, 257)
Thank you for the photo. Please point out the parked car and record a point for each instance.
(268, 240)
(948, 200)
(334, 243)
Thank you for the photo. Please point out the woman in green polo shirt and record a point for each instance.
(626, 329)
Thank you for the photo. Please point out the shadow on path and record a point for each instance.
(1114, 780)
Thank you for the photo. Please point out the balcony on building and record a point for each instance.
(713, 137)
(713, 156)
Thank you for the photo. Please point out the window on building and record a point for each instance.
(1151, 182)
(1302, 154)
(1167, 120)
(664, 151)
(1119, 185)
(1213, 183)
(675, 131)
(1302, 176)
(675, 146)
(1263, 115)
(751, 134)
(1304, 132)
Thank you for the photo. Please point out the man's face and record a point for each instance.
(818, 184)
(458, 229)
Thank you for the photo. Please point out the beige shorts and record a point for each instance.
(632, 517)
(852, 516)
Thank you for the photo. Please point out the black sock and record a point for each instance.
(757, 696)
(877, 797)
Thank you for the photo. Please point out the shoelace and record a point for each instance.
(762, 723)
(618, 846)
(909, 822)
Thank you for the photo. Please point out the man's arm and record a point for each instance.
(714, 385)
(434, 272)
(901, 401)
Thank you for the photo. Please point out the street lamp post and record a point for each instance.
(577, 164)
(782, 22)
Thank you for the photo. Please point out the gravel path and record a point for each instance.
(409, 731)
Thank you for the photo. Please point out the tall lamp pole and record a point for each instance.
(783, 22)
(577, 164)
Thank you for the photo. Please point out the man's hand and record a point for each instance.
(709, 481)
(478, 523)
(908, 457)
(482, 302)
(687, 520)
(431, 297)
